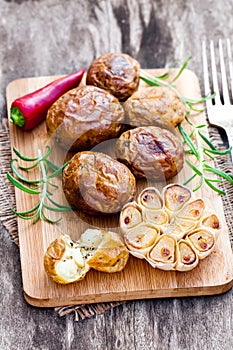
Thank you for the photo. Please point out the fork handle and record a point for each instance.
(229, 132)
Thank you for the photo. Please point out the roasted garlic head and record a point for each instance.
(66, 261)
(172, 230)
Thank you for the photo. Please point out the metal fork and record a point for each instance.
(219, 110)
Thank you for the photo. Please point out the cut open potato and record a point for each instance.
(66, 261)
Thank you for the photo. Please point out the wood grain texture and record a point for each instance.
(53, 37)
(138, 280)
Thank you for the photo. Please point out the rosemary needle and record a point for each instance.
(39, 187)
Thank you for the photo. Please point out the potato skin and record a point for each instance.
(53, 254)
(109, 255)
(154, 105)
(84, 117)
(151, 152)
(97, 184)
(112, 254)
(117, 73)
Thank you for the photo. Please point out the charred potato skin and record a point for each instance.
(115, 72)
(97, 184)
(154, 105)
(151, 152)
(84, 117)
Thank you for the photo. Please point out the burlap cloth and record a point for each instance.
(9, 220)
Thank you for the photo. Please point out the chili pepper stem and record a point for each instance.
(17, 117)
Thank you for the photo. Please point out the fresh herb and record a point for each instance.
(41, 187)
(200, 150)
(190, 104)
(197, 144)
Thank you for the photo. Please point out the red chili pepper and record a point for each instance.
(29, 110)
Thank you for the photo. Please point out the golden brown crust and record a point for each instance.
(151, 152)
(96, 183)
(84, 117)
(115, 72)
(155, 105)
(54, 253)
(98, 249)
(111, 256)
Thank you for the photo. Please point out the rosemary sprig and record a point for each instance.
(203, 147)
(197, 144)
(160, 81)
(39, 187)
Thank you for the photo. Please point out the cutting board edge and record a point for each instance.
(136, 295)
(160, 293)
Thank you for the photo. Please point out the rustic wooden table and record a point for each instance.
(50, 37)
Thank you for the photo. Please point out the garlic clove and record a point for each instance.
(150, 198)
(187, 258)
(141, 238)
(192, 210)
(175, 196)
(131, 215)
(202, 240)
(156, 217)
(163, 254)
(213, 223)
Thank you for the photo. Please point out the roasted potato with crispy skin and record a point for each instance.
(117, 73)
(97, 184)
(151, 152)
(154, 105)
(84, 117)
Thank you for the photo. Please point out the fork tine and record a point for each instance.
(225, 91)
(230, 64)
(214, 73)
(206, 73)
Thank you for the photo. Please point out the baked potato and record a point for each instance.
(154, 105)
(117, 73)
(95, 183)
(84, 117)
(151, 152)
(66, 261)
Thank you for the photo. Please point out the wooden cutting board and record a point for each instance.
(213, 275)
